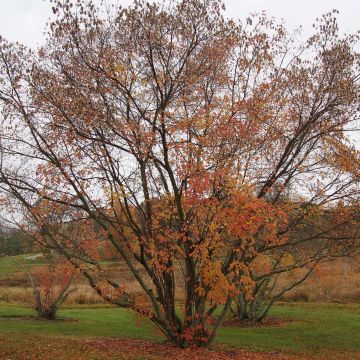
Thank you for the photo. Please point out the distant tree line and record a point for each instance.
(15, 242)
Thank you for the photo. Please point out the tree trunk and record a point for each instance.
(47, 314)
(248, 310)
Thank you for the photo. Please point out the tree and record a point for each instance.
(176, 132)
(14, 241)
(52, 283)
(323, 235)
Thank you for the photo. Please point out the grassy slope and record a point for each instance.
(334, 328)
(328, 327)
(90, 322)
(8, 265)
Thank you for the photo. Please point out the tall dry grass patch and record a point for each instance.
(332, 281)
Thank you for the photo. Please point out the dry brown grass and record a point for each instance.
(9, 294)
(24, 295)
(15, 288)
(332, 281)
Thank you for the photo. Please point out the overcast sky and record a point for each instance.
(24, 20)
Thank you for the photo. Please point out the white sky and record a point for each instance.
(24, 20)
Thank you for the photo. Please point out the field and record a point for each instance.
(313, 328)
(9, 264)
(337, 281)
(308, 331)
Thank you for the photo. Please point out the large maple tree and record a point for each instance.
(189, 143)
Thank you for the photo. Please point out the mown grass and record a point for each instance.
(316, 327)
(9, 264)
(89, 322)
(331, 328)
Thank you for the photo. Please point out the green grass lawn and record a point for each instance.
(330, 327)
(315, 328)
(88, 322)
(8, 264)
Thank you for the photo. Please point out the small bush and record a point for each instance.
(298, 296)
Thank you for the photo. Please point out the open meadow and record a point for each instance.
(318, 320)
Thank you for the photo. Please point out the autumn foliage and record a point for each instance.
(192, 147)
(51, 283)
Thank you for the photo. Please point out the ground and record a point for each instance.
(90, 329)
(308, 331)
